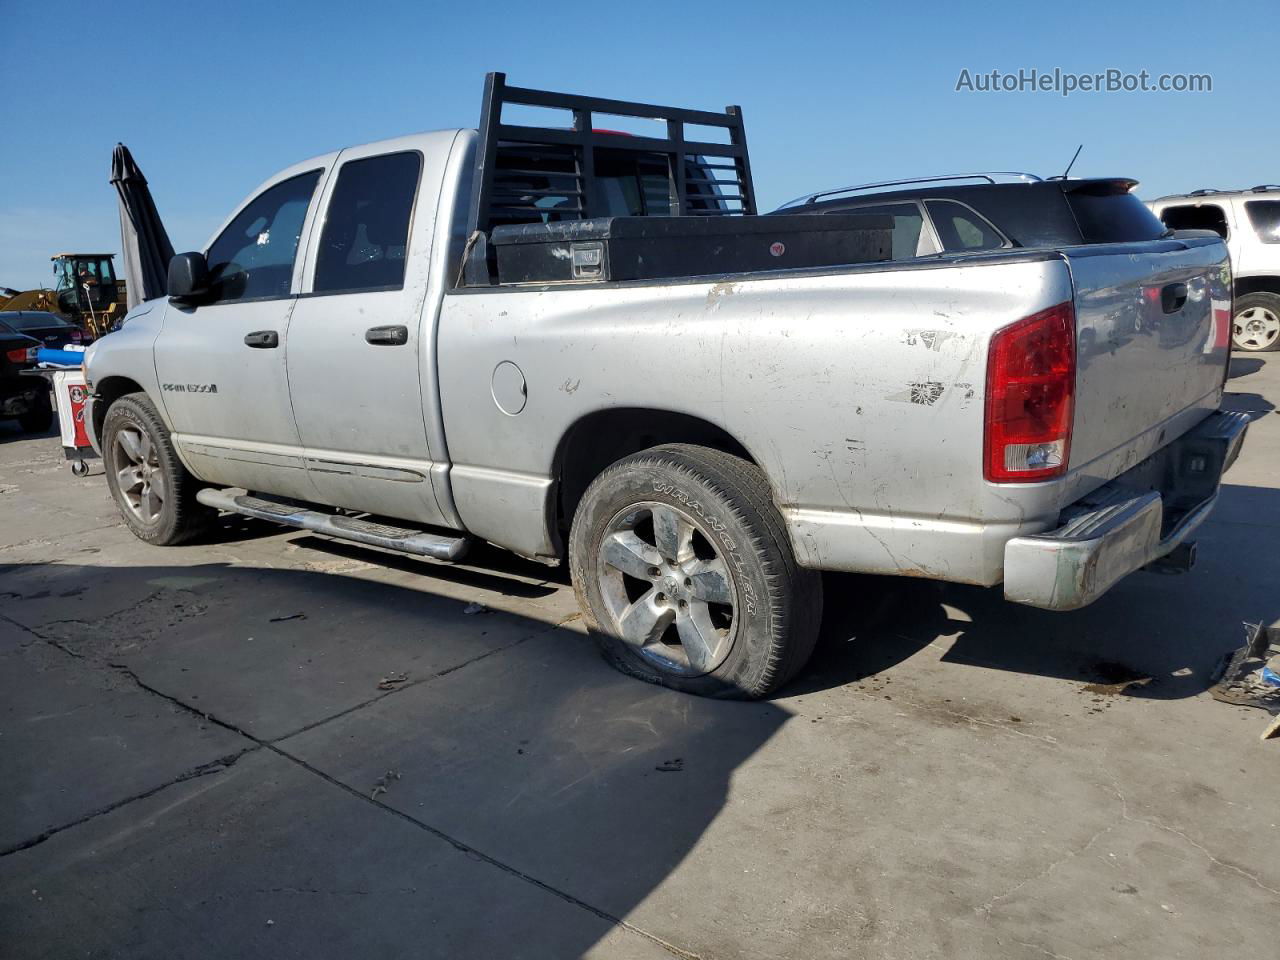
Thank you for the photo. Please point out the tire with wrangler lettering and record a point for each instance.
(682, 564)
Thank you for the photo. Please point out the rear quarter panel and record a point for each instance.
(859, 393)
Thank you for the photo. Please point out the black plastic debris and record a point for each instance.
(1244, 677)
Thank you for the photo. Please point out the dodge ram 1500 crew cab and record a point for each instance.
(345, 356)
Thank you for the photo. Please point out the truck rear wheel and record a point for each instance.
(683, 566)
(1255, 327)
(155, 493)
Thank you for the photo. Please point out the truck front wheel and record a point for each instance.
(155, 493)
(683, 566)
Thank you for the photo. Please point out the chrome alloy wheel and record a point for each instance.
(138, 475)
(667, 589)
(1255, 328)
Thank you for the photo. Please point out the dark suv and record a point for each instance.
(25, 399)
(969, 213)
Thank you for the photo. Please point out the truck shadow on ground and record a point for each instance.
(1244, 367)
(10, 431)
(1151, 636)
(1254, 404)
(510, 781)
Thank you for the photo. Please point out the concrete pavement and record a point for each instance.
(269, 744)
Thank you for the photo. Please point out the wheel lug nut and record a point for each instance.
(683, 605)
(654, 571)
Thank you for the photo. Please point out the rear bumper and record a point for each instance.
(1137, 518)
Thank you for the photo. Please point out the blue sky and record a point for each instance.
(833, 93)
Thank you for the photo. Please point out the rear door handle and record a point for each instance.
(262, 339)
(387, 336)
(1173, 297)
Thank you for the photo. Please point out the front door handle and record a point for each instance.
(1173, 297)
(262, 339)
(387, 336)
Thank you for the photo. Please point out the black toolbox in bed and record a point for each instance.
(652, 248)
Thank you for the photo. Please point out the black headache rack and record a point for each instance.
(531, 174)
(577, 203)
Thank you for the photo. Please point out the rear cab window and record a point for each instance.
(1264, 217)
(539, 184)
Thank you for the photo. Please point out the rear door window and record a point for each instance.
(1264, 215)
(908, 222)
(1196, 216)
(960, 229)
(366, 232)
(252, 258)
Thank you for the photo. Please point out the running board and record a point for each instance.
(292, 514)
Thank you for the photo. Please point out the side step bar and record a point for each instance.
(291, 514)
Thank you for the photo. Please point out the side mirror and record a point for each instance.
(188, 277)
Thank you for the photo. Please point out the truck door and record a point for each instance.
(357, 346)
(221, 363)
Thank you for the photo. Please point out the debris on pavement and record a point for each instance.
(472, 608)
(292, 616)
(392, 680)
(380, 785)
(671, 766)
(1243, 677)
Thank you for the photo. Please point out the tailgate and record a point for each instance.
(1153, 335)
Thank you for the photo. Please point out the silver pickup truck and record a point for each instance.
(341, 358)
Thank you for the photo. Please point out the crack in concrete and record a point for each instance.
(407, 685)
(1160, 825)
(1040, 949)
(213, 766)
(475, 854)
(987, 907)
(1124, 817)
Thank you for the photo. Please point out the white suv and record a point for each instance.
(1249, 220)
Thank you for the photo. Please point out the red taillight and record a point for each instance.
(1031, 387)
(25, 355)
